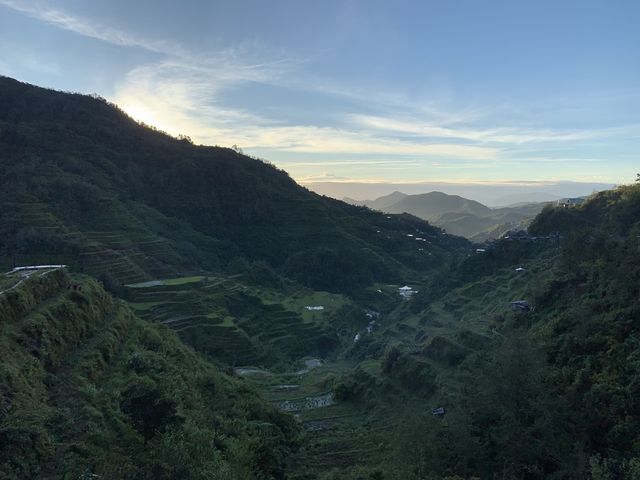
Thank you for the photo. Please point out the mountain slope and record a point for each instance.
(82, 182)
(547, 392)
(379, 203)
(457, 215)
(88, 390)
(427, 205)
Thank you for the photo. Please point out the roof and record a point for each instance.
(37, 267)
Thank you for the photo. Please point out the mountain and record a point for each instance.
(262, 331)
(81, 183)
(435, 203)
(458, 215)
(518, 348)
(517, 199)
(88, 390)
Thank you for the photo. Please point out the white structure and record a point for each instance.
(520, 269)
(36, 267)
(356, 338)
(370, 326)
(314, 307)
(406, 292)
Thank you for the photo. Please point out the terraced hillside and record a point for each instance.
(244, 324)
(459, 383)
(87, 390)
(82, 182)
(367, 413)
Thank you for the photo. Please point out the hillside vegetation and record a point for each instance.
(546, 393)
(86, 388)
(258, 331)
(81, 183)
(457, 215)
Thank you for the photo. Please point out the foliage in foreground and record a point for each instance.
(86, 388)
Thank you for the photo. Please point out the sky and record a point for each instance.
(370, 91)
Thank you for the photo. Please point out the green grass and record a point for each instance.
(183, 280)
(144, 306)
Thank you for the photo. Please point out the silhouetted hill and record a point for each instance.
(83, 183)
(435, 203)
(457, 215)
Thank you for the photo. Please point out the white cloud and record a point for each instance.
(180, 91)
(90, 28)
(179, 97)
(513, 136)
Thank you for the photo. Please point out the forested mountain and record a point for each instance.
(82, 183)
(546, 391)
(88, 390)
(402, 352)
(457, 215)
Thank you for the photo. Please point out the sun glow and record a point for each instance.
(141, 113)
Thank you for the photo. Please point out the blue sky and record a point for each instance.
(359, 91)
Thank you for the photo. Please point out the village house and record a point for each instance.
(570, 202)
(521, 306)
(406, 292)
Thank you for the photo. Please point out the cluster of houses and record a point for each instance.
(419, 239)
(518, 236)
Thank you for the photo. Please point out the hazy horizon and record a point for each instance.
(491, 194)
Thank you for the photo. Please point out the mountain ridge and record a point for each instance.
(457, 215)
(119, 199)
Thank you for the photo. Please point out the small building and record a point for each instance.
(519, 236)
(521, 306)
(439, 412)
(406, 292)
(314, 307)
(570, 202)
(36, 267)
(520, 269)
(480, 250)
(356, 338)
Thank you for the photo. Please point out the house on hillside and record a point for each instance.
(520, 306)
(439, 412)
(371, 326)
(570, 202)
(520, 269)
(519, 236)
(406, 292)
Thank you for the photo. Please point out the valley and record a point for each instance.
(197, 314)
(457, 215)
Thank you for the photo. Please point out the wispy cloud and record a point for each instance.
(185, 90)
(89, 28)
(180, 97)
(514, 136)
